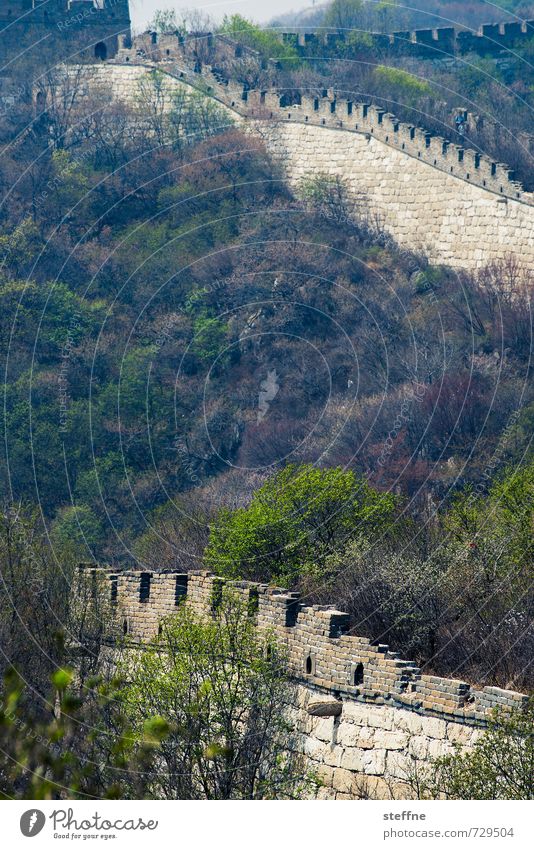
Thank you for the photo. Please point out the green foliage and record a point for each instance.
(393, 590)
(209, 337)
(500, 766)
(83, 749)
(294, 521)
(354, 41)
(497, 529)
(76, 531)
(218, 689)
(344, 14)
(476, 76)
(269, 44)
(20, 247)
(164, 21)
(407, 87)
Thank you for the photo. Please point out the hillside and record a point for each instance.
(179, 327)
(267, 470)
(419, 13)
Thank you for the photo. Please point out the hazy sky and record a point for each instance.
(142, 10)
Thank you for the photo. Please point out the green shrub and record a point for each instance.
(294, 521)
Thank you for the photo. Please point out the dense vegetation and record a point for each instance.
(178, 328)
(201, 367)
(198, 715)
(392, 15)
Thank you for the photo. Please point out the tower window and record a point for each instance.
(144, 587)
(180, 590)
(114, 589)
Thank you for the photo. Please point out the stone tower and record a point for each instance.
(44, 32)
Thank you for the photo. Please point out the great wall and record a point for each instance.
(428, 43)
(35, 31)
(433, 196)
(456, 206)
(365, 720)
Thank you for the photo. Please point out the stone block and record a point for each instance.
(324, 708)
(315, 749)
(390, 739)
(324, 730)
(366, 738)
(326, 793)
(399, 765)
(408, 721)
(355, 712)
(462, 734)
(343, 781)
(374, 761)
(348, 734)
(373, 787)
(333, 755)
(352, 759)
(439, 748)
(418, 746)
(436, 728)
(378, 717)
(324, 775)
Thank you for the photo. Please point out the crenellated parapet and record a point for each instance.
(327, 109)
(426, 43)
(321, 650)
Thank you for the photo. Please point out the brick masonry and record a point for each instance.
(384, 718)
(458, 207)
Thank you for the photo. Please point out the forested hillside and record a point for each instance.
(178, 329)
(392, 15)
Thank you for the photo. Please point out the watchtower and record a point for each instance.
(50, 31)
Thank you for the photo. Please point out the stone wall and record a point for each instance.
(371, 751)
(429, 43)
(444, 216)
(364, 718)
(457, 206)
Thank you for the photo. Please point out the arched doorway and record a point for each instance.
(101, 51)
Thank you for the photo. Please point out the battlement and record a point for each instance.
(427, 43)
(169, 53)
(321, 651)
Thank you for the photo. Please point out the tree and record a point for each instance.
(344, 15)
(84, 749)
(500, 766)
(179, 117)
(76, 531)
(222, 690)
(294, 521)
(34, 595)
(47, 607)
(401, 85)
(194, 117)
(267, 43)
(177, 533)
(165, 20)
